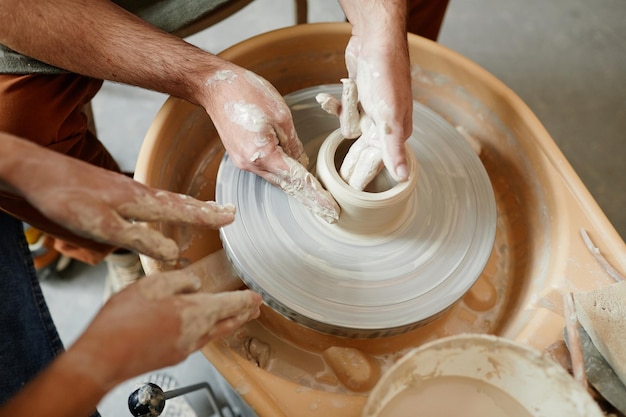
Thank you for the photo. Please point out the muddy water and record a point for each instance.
(454, 396)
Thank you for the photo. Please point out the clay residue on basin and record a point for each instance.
(484, 309)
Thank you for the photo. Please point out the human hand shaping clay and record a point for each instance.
(100, 204)
(257, 130)
(376, 105)
(156, 322)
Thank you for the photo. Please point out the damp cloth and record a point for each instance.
(602, 313)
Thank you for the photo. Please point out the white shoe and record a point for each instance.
(122, 270)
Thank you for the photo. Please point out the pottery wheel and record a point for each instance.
(364, 286)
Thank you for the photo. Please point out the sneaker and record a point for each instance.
(123, 268)
(45, 257)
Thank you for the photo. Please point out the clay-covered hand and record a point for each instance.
(156, 322)
(378, 63)
(100, 204)
(257, 130)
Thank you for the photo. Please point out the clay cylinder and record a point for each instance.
(379, 209)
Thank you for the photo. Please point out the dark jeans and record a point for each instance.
(29, 340)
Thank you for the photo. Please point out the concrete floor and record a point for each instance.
(565, 58)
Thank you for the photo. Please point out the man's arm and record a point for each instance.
(99, 39)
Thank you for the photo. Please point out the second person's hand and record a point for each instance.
(163, 318)
(102, 205)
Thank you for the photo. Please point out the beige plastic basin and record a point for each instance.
(542, 206)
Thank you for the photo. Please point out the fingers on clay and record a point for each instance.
(329, 103)
(178, 208)
(349, 117)
(296, 181)
(367, 167)
(362, 162)
(347, 109)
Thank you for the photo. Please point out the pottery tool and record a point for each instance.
(349, 284)
(149, 399)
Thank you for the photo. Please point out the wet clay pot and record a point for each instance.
(541, 207)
